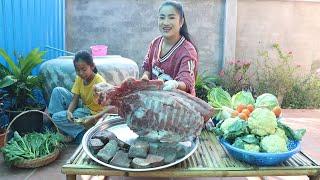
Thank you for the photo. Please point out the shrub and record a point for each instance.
(273, 72)
(235, 76)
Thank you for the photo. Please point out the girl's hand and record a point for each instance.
(145, 77)
(87, 121)
(70, 116)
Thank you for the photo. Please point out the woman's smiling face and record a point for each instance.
(169, 22)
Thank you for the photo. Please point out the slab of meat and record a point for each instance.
(174, 115)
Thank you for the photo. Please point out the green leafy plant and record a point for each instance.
(275, 75)
(31, 146)
(18, 80)
(280, 76)
(203, 85)
(304, 93)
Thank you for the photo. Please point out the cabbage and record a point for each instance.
(242, 97)
(217, 98)
(267, 100)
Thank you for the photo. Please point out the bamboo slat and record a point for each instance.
(209, 160)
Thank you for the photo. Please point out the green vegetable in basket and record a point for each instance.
(273, 144)
(291, 134)
(217, 98)
(266, 100)
(262, 122)
(232, 128)
(248, 143)
(220, 100)
(242, 97)
(31, 146)
(281, 133)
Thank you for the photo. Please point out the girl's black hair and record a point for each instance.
(184, 29)
(86, 57)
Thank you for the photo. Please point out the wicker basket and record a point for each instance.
(38, 162)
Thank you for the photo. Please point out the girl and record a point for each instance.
(66, 106)
(172, 57)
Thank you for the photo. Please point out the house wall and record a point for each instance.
(128, 26)
(293, 24)
(223, 30)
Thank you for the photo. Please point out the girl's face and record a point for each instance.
(84, 70)
(169, 22)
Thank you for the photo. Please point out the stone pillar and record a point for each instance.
(230, 31)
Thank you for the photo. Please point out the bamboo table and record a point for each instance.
(209, 160)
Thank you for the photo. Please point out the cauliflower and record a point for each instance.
(262, 122)
(226, 124)
(239, 143)
(280, 132)
(273, 144)
(252, 147)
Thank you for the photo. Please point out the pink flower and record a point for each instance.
(221, 73)
(231, 62)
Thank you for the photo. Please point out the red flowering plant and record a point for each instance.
(235, 76)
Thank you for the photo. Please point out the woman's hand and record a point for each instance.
(171, 84)
(70, 116)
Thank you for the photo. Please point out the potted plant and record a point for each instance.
(19, 89)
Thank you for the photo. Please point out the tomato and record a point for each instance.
(243, 116)
(246, 111)
(234, 114)
(240, 107)
(250, 107)
(277, 111)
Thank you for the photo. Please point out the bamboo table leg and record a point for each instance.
(71, 177)
(316, 177)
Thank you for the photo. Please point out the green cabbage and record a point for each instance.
(217, 98)
(267, 100)
(242, 97)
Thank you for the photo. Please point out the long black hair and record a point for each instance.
(184, 29)
(86, 57)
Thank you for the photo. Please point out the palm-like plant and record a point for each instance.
(18, 80)
(203, 84)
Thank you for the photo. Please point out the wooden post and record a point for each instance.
(71, 177)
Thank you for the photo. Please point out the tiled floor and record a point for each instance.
(309, 119)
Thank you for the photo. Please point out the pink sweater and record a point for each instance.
(180, 63)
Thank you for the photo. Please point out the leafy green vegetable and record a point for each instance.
(232, 128)
(31, 146)
(218, 97)
(267, 100)
(290, 133)
(242, 97)
(240, 143)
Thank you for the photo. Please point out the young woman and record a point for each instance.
(66, 106)
(172, 57)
